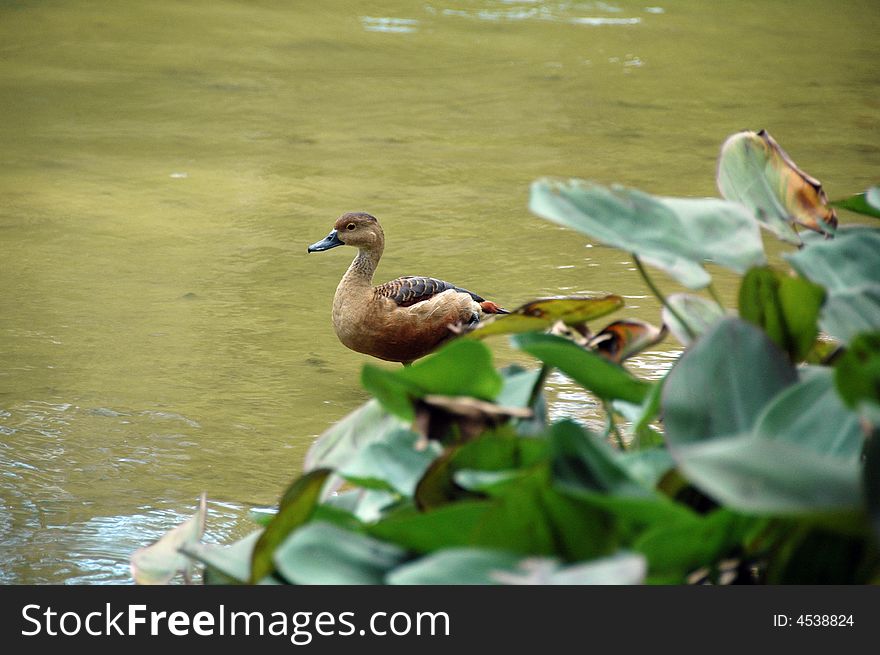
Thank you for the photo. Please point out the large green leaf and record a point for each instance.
(490, 452)
(543, 313)
(850, 260)
(848, 266)
(444, 527)
(296, 507)
(393, 464)
(688, 316)
(721, 384)
(811, 414)
(582, 461)
(225, 564)
(647, 466)
(676, 549)
(785, 307)
(461, 566)
(322, 553)
(530, 516)
(852, 312)
(606, 379)
(761, 476)
(857, 371)
(462, 368)
(458, 566)
(345, 440)
(862, 203)
(519, 386)
(754, 170)
(675, 234)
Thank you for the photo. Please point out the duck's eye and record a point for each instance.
(350, 226)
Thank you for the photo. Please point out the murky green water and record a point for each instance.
(165, 164)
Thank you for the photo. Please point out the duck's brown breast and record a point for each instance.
(382, 329)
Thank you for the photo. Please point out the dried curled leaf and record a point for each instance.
(623, 339)
(436, 415)
(754, 170)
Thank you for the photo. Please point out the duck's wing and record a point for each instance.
(410, 290)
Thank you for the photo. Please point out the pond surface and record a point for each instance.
(165, 165)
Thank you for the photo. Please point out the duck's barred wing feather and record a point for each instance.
(410, 290)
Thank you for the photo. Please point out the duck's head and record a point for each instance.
(357, 229)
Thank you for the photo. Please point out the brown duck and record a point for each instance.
(403, 319)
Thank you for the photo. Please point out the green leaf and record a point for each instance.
(756, 475)
(457, 566)
(519, 386)
(581, 461)
(489, 452)
(754, 170)
(225, 564)
(721, 384)
(541, 314)
(676, 549)
(785, 307)
(606, 379)
(296, 507)
(647, 466)
(322, 553)
(848, 266)
(393, 464)
(161, 561)
(699, 315)
(852, 312)
(867, 203)
(809, 413)
(462, 566)
(857, 370)
(462, 368)
(445, 527)
(344, 440)
(850, 260)
(675, 234)
(531, 517)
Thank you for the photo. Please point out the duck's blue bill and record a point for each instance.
(330, 241)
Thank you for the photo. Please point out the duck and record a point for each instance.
(401, 320)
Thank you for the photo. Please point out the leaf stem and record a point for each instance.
(657, 293)
(612, 425)
(715, 296)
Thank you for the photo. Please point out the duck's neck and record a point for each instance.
(360, 273)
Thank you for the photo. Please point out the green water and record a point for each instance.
(165, 165)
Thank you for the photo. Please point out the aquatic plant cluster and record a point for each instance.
(756, 459)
